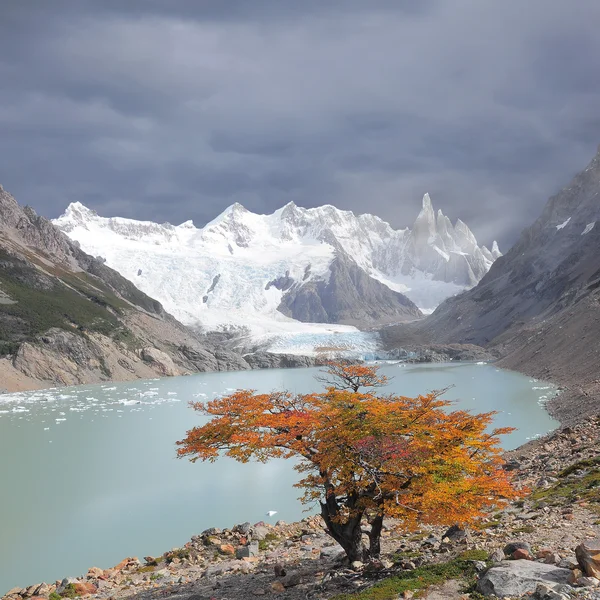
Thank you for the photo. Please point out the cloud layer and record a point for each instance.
(174, 110)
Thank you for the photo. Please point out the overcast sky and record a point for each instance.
(174, 109)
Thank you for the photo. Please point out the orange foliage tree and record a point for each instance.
(363, 456)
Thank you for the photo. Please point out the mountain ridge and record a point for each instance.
(232, 262)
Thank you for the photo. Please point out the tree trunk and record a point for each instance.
(375, 536)
(348, 535)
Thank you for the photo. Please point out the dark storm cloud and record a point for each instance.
(174, 110)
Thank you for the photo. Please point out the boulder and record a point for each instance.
(455, 534)
(259, 532)
(332, 552)
(588, 557)
(227, 549)
(519, 577)
(248, 551)
(242, 528)
(84, 588)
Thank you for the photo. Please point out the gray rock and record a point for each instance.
(455, 534)
(64, 583)
(510, 548)
(332, 552)
(259, 532)
(519, 577)
(497, 556)
(248, 551)
(242, 528)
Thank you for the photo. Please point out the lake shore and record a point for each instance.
(300, 560)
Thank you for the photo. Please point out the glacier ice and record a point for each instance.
(218, 276)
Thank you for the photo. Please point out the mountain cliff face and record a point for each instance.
(349, 296)
(320, 265)
(539, 305)
(67, 318)
(554, 266)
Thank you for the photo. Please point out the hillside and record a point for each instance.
(538, 307)
(66, 318)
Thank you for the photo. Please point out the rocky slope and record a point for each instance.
(312, 265)
(66, 318)
(349, 297)
(539, 305)
(543, 547)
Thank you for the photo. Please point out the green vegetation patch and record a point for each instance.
(269, 539)
(421, 578)
(180, 553)
(570, 489)
(43, 302)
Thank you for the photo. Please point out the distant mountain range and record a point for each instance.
(318, 265)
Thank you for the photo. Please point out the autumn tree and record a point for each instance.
(364, 456)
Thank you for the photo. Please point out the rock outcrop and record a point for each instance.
(348, 296)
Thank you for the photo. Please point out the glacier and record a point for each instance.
(232, 274)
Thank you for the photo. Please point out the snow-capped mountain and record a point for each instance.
(314, 265)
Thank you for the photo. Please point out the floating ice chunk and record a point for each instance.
(588, 228)
(563, 225)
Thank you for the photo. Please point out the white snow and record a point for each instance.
(563, 225)
(224, 274)
(588, 228)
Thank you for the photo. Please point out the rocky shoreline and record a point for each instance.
(527, 548)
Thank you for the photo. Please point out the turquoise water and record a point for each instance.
(89, 473)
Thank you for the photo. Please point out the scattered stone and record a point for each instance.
(243, 528)
(260, 532)
(248, 551)
(278, 587)
(227, 549)
(332, 553)
(512, 547)
(84, 588)
(291, 580)
(497, 555)
(521, 554)
(588, 582)
(455, 534)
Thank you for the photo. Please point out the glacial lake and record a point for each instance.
(89, 474)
